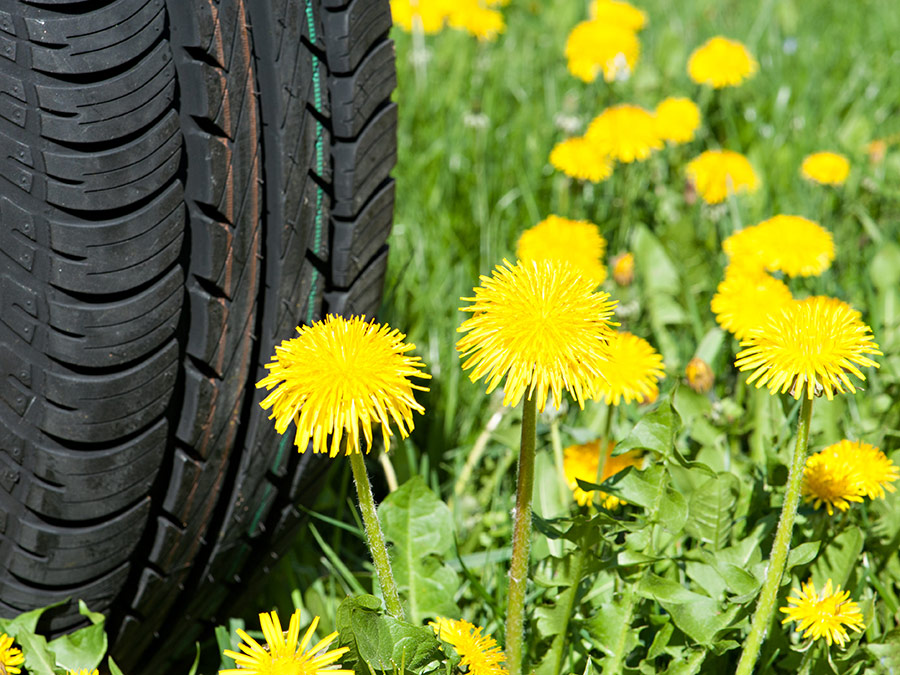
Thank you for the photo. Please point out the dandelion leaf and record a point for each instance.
(655, 431)
(712, 507)
(839, 559)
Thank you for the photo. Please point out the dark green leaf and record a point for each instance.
(83, 649)
(114, 668)
(224, 641)
(655, 431)
(839, 558)
(660, 640)
(673, 511)
(712, 507)
(696, 615)
(27, 621)
(39, 659)
(637, 487)
(887, 652)
(801, 555)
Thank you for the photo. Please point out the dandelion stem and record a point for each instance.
(780, 547)
(518, 566)
(374, 536)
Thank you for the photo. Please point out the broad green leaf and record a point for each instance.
(637, 487)
(114, 668)
(609, 628)
(655, 431)
(657, 272)
(696, 615)
(712, 510)
(800, 555)
(884, 270)
(673, 511)
(839, 558)
(709, 346)
(95, 617)
(84, 648)
(887, 651)
(660, 640)
(39, 659)
(689, 663)
(420, 526)
(739, 581)
(27, 621)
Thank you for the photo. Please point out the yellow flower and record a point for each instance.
(876, 471)
(716, 173)
(832, 302)
(476, 19)
(479, 653)
(429, 14)
(579, 158)
(720, 62)
(824, 614)
(744, 300)
(580, 463)
(846, 472)
(618, 13)
(794, 245)
(632, 370)
(826, 168)
(540, 325)
(281, 655)
(83, 671)
(578, 242)
(677, 119)
(623, 269)
(699, 375)
(808, 347)
(10, 657)
(624, 132)
(594, 47)
(340, 374)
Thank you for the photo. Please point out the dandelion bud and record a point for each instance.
(699, 375)
(623, 269)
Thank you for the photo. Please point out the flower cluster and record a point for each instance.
(476, 17)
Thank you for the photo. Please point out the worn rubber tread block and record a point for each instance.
(102, 408)
(353, 30)
(119, 31)
(110, 256)
(51, 554)
(364, 294)
(78, 485)
(99, 335)
(354, 97)
(124, 175)
(361, 166)
(356, 241)
(112, 108)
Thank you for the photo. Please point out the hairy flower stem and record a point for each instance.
(518, 565)
(374, 536)
(780, 547)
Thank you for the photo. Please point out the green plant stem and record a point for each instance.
(780, 547)
(604, 443)
(567, 602)
(374, 536)
(518, 565)
(559, 461)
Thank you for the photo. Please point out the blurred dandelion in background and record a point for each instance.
(677, 119)
(825, 168)
(632, 370)
(721, 62)
(577, 242)
(625, 132)
(579, 158)
(718, 173)
(581, 462)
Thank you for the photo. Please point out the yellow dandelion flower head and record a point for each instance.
(618, 13)
(795, 245)
(876, 470)
(595, 47)
(578, 242)
(632, 370)
(83, 671)
(744, 300)
(479, 653)
(677, 119)
(830, 478)
(10, 657)
(716, 173)
(542, 326)
(808, 348)
(476, 19)
(281, 655)
(699, 375)
(625, 132)
(580, 463)
(579, 158)
(720, 62)
(832, 302)
(339, 375)
(826, 168)
(623, 269)
(428, 15)
(824, 614)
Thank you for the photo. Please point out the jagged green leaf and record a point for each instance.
(712, 507)
(655, 431)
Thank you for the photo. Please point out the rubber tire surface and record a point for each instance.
(183, 182)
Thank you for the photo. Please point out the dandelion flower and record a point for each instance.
(476, 19)
(580, 463)
(794, 245)
(809, 347)
(339, 375)
(618, 13)
(720, 62)
(632, 370)
(677, 119)
(824, 614)
(579, 158)
(624, 132)
(430, 15)
(743, 301)
(10, 657)
(578, 242)
(623, 269)
(699, 375)
(826, 168)
(832, 302)
(716, 173)
(876, 471)
(281, 655)
(831, 478)
(540, 325)
(594, 47)
(479, 653)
